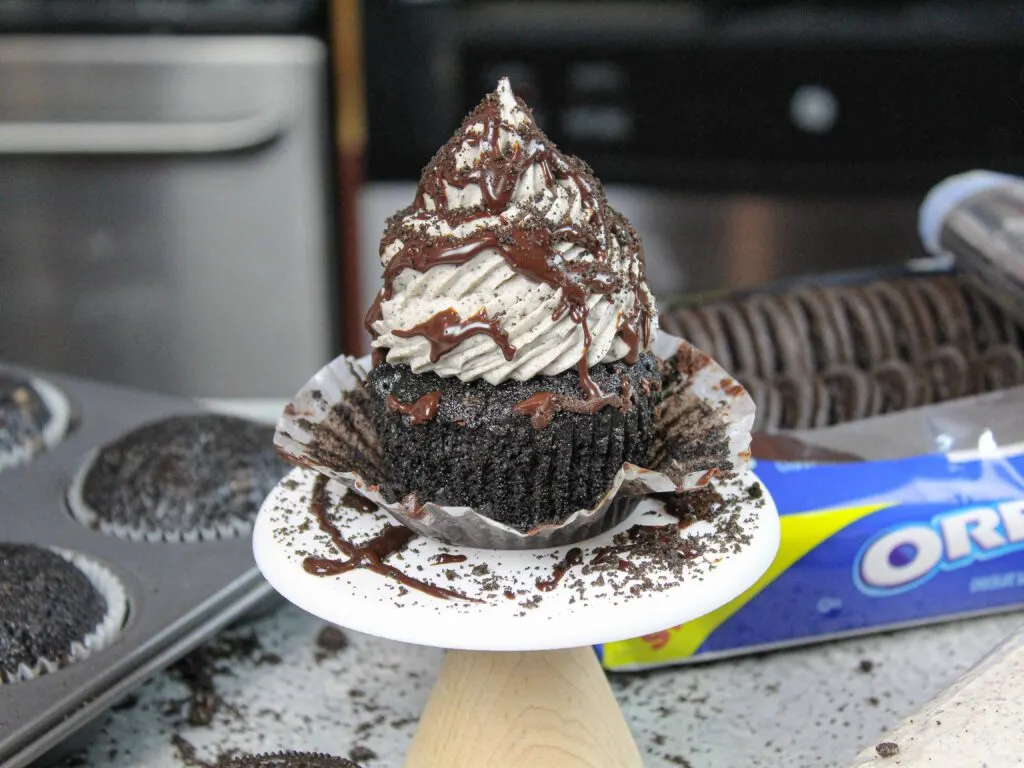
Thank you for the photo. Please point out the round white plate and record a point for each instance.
(584, 609)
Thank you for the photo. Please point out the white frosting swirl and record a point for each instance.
(524, 308)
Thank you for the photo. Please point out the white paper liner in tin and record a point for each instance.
(109, 586)
(87, 516)
(55, 429)
(705, 380)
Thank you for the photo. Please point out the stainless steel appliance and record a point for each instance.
(164, 209)
(748, 140)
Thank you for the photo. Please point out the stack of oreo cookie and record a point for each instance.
(817, 356)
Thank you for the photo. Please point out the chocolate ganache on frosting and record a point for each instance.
(510, 263)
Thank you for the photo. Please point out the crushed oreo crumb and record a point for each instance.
(887, 749)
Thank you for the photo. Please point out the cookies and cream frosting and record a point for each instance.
(510, 263)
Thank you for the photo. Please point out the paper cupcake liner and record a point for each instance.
(109, 586)
(53, 432)
(90, 518)
(327, 427)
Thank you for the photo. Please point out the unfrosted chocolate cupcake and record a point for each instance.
(184, 478)
(537, 466)
(53, 610)
(511, 333)
(33, 417)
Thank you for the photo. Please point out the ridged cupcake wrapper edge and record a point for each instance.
(87, 516)
(310, 410)
(110, 587)
(55, 430)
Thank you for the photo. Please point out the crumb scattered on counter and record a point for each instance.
(887, 749)
(330, 642)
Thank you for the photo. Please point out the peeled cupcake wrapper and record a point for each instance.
(53, 431)
(328, 428)
(87, 516)
(109, 586)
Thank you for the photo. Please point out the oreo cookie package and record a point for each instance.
(921, 520)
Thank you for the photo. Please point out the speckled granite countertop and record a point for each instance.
(279, 688)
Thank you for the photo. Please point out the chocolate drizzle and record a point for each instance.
(446, 330)
(528, 247)
(542, 407)
(573, 557)
(420, 412)
(353, 500)
(371, 555)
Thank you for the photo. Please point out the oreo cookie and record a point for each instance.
(692, 327)
(57, 607)
(34, 416)
(762, 339)
(184, 478)
(522, 453)
(287, 760)
(824, 341)
(741, 344)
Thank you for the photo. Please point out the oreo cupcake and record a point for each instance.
(184, 478)
(513, 329)
(518, 383)
(34, 417)
(58, 607)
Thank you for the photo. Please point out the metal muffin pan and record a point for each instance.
(179, 593)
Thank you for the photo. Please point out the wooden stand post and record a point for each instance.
(543, 709)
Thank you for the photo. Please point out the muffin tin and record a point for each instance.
(178, 593)
(812, 356)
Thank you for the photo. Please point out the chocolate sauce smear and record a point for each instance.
(573, 557)
(371, 555)
(420, 412)
(353, 500)
(529, 248)
(446, 330)
(542, 407)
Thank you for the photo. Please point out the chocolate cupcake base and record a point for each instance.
(701, 430)
(523, 453)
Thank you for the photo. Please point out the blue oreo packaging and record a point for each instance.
(867, 546)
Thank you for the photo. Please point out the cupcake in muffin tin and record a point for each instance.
(58, 607)
(181, 479)
(34, 417)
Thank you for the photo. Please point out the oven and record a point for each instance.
(748, 141)
(165, 194)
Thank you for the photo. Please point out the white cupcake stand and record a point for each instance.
(521, 684)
